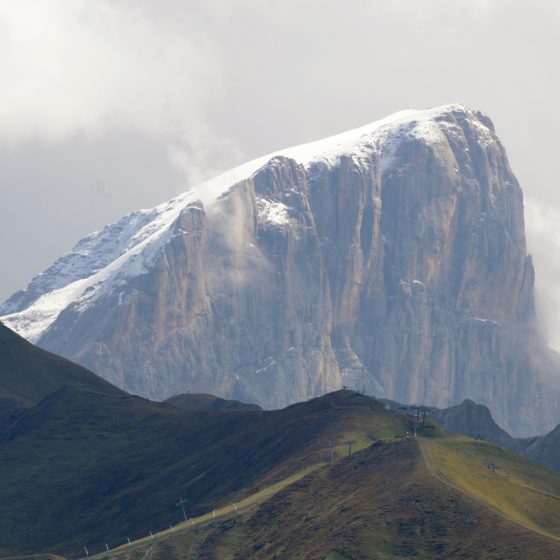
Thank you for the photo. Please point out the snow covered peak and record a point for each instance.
(103, 261)
(379, 136)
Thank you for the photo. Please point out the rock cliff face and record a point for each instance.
(392, 260)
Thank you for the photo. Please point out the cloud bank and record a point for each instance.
(80, 67)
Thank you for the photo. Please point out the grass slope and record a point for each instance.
(28, 374)
(519, 489)
(186, 533)
(380, 503)
(84, 468)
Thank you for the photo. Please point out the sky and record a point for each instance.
(114, 105)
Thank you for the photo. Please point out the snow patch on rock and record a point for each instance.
(271, 212)
(103, 261)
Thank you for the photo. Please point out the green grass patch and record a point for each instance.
(519, 489)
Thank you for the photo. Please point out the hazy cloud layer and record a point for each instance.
(543, 232)
(112, 105)
(80, 67)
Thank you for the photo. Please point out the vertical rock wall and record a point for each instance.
(409, 280)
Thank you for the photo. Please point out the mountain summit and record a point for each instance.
(390, 258)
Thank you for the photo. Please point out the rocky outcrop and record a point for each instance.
(397, 265)
(473, 420)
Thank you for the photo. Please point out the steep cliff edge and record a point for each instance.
(391, 259)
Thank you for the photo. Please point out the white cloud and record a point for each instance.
(76, 66)
(202, 156)
(542, 226)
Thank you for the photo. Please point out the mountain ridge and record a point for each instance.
(134, 229)
(112, 466)
(393, 261)
(390, 500)
(85, 469)
(210, 403)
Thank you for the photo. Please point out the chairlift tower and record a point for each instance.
(350, 442)
(329, 447)
(181, 503)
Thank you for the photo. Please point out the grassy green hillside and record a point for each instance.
(519, 489)
(83, 464)
(382, 503)
(84, 468)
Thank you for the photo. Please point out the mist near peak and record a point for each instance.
(542, 226)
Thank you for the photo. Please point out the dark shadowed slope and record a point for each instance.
(84, 467)
(209, 403)
(89, 465)
(384, 502)
(28, 374)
